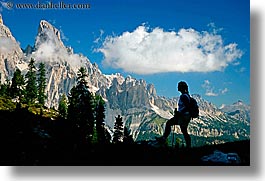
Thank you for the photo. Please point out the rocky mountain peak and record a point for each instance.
(46, 25)
(4, 30)
(48, 33)
(151, 89)
(239, 103)
(28, 50)
(10, 52)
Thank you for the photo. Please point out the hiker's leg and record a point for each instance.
(184, 130)
(169, 123)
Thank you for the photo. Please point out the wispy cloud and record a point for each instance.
(241, 69)
(224, 91)
(214, 28)
(8, 45)
(210, 89)
(149, 51)
(63, 36)
(99, 39)
(50, 49)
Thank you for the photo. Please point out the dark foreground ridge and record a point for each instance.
(147, 155)
(29, 139)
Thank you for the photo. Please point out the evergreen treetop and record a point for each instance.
(118, 130)
(17, 85)
(31, 91)
(41, 84)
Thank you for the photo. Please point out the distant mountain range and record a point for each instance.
(143, 111)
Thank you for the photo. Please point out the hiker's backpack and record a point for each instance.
(193, 108)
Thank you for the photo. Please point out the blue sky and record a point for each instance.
(204, 42)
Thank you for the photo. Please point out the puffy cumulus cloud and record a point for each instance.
(146, 51)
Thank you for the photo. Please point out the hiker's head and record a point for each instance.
(183, 87)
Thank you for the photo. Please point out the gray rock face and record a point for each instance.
(62, 64)
(48, 34)
(238, 110)
(219, 125)
(10, 52)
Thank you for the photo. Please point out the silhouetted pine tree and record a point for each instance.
(41, 84)
(17, 86)
(63, 107)
(31, 91)
(118, 130)
(100, 116)
(107, 136)
(127, 138)
(80, 110)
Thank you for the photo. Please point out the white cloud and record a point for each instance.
(97, 40)
(224, 91)
(65, 38)
(213, 28)
(49, 52)
(49, 48)
(7, 45)
(241, 69)
(211, 94)
(209, 89)
(146, 51)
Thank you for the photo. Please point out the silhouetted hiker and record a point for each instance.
(181, 117)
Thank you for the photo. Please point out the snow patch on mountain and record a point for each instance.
(160, 112)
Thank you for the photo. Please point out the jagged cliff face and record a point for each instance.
(239, 111)
(146, 113)
(47, 34)
(143, 111)
(217, 125)
(134, 100)
(62, 64)
(146, 118)
(10, 52)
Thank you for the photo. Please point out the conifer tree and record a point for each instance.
(100, 116)
(63, 107)
(118, 130)
(31, 91)
(5, 88)
(80, 110)
(17, 85)
(107, 136)
(127, 138)
(41, 84)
